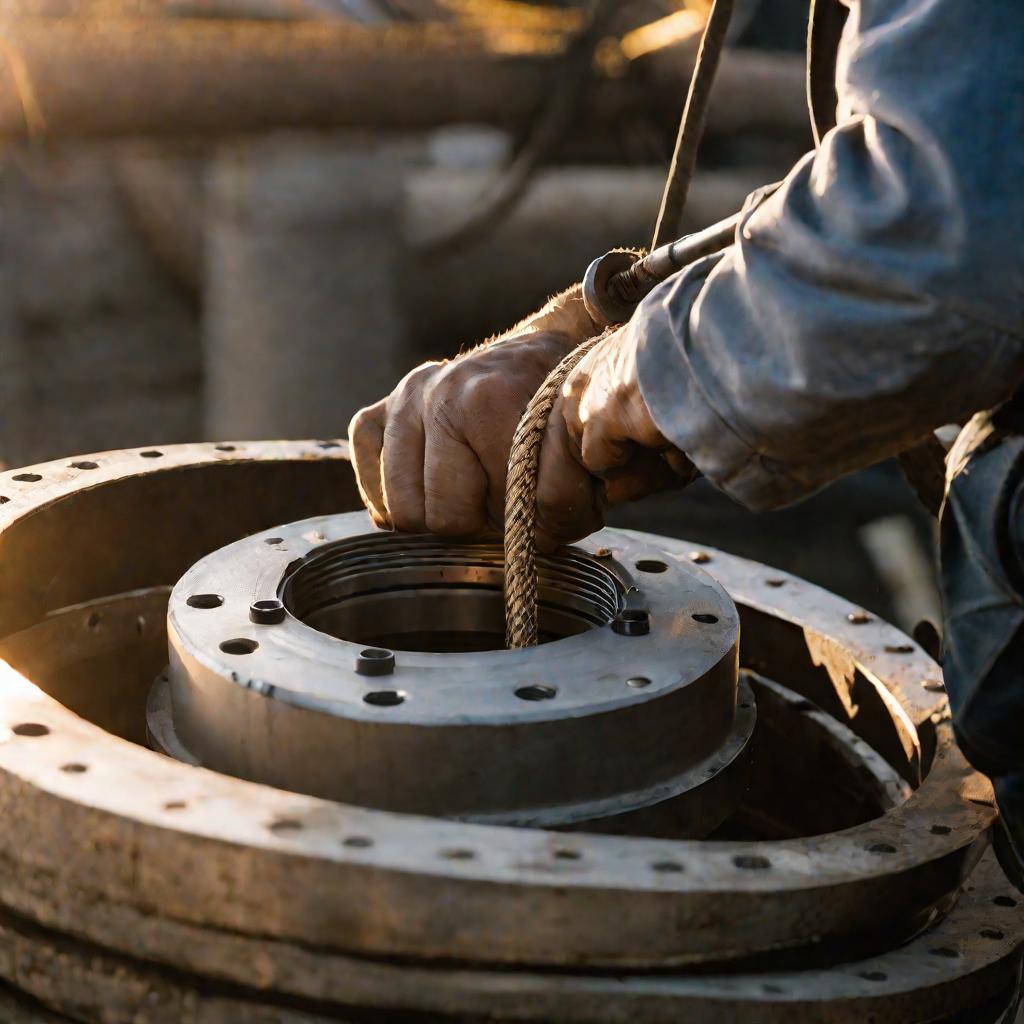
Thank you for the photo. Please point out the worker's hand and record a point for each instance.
(602, 447)
(432, 456)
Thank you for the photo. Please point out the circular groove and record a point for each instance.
(346, 574)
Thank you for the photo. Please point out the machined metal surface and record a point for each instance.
(386, 686)
(119, 863)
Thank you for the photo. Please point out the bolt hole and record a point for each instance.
(140, 624)
(933, 685)
(327, 445)
(152, 454)
(274, 540)
(284, 825)
(32, 729)
(27, 478)
(874, 976)
(384, 698)
(700, 557)
(1005, 901)
(93, 622)
(652, 565)
(458, 854)
(992, 933)
(357, 842)
(705, 618)
(773, 990)
(239, 645)
(745, 707)
(224, 447)
(940, 830)
(882, 848)
(83, 465)
(775, 583)
(804, 706)
(899, 649)
(858, 618)
(74, 768)
(175, 805)
(206, 601)
(945, 952)
(567, 853)
(667, 867)
(638, 682)
(536, 692)
(752, 862)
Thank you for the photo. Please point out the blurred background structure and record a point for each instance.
(248, 218)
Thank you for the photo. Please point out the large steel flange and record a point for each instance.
(132, 881)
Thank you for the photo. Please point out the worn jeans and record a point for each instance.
(983, 593)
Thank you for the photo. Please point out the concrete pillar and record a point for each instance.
(303, 248)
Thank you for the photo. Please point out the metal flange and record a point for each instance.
(339, 699)
(215, 876)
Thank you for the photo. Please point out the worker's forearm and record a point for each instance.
(876, 295)
(773, 394)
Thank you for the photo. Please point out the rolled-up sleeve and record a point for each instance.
(879, 293)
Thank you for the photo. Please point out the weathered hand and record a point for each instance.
(602, 446)
(433, 455)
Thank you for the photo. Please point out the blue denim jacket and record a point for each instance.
(879, 293)
(983, 595)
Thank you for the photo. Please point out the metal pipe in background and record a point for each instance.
(78, 77)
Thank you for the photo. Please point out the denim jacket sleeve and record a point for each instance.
(879, 293)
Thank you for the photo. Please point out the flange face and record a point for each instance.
(648, 713)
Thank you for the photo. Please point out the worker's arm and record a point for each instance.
(880, 292)
(877, 295)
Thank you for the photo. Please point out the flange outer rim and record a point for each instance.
(908, 985)
(220, 862)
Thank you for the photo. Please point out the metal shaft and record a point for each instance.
(616, 283)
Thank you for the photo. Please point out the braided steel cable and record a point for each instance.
(521, 589)
(691, 125)
(521, 600)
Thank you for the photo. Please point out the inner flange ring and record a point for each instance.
(478, 734)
